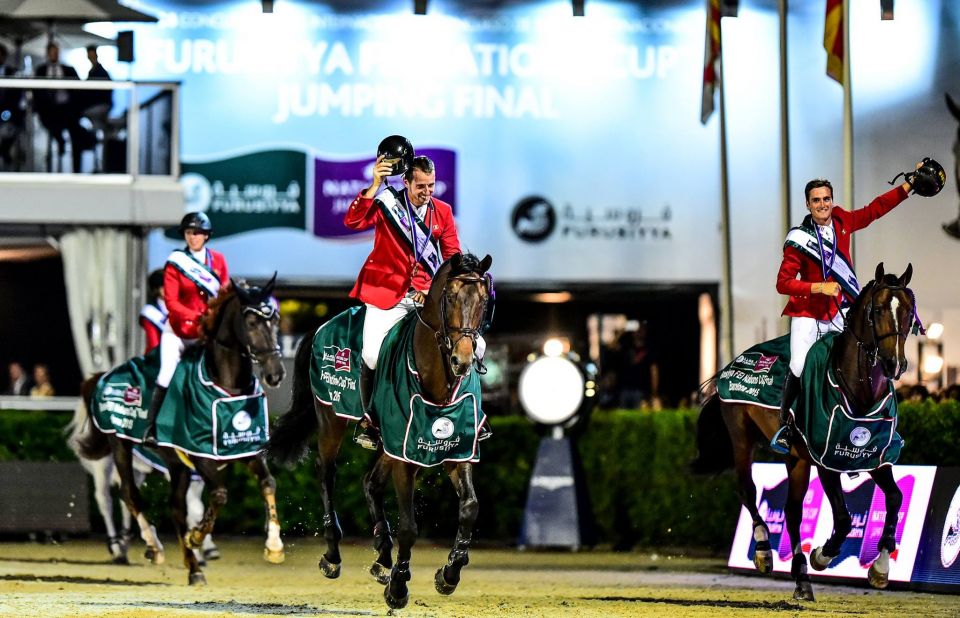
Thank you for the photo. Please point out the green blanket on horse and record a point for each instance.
(413, 429)
(197, 416)
(836, 439)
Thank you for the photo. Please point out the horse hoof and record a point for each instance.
(804, 592)
(440, 583)
(763, 560)
(274, 556)
(392, 602)
(877, 578)
(330, 570)
(154, 555)
(380, 573)
(121, 560)
(819, 560)
(198, 579)
(212, 553)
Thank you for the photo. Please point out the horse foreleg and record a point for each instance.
(404, 480)
(195, 508)
(179, 482)
(879, 572)
(329, 436)
(123, 458)
(207, 469)
(374, 485)
(798, 472)
(447, 577)
(273, 547)
(821, 557)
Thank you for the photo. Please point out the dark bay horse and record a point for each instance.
(444, 345)
(869, 353)
(239, 329)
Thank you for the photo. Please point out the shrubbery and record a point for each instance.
(635, 464)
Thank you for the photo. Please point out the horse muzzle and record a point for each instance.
(458, 366)
(893, 368)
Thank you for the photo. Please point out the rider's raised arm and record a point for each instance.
(881, 205)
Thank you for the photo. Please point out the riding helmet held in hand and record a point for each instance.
(196, 221)
(928, 179)
(397, 150)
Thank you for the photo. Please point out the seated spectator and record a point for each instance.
(41, 377)
(19, 382)
(59, 110)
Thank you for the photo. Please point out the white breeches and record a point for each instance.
(378, 323)
(804, 332)
(171, 347)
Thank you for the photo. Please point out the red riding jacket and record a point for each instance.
(388, 271)
(802, 302)
(186, 302)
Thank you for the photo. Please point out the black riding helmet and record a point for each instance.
(196, 221)
(398, 150)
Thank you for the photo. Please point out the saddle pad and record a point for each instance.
(756, 376)
(123, 395)
(335, 363)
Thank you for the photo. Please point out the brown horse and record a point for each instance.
(239, 329)
(444, 345)
(868, 354)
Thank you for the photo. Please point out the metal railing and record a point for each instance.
(38, 404)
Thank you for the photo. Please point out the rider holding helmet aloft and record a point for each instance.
(192, 277)
(414, 233)
(817, 273)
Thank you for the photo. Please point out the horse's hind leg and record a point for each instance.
(101, 470)
(395, 593)
(447, 577)
(798, 472)
(123, 458)
(821, 557)
(179, 482)
(743, 440)
(879, 573)
(330, 432)
(374, 485)
(273, 547)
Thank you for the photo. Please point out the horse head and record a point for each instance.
(250, 325)
(461, 295)
(884, 314)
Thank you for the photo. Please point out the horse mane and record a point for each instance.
(469, 263)
(210, 319)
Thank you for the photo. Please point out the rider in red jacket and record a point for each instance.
(192, 277)
(153, 315)
(817, 273)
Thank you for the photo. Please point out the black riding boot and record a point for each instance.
(783, 439)
(150, 435)
(368, 436)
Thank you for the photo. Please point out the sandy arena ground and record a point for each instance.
(76, 579)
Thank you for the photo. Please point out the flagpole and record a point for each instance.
(848, 122)
(784, 132)
(726, 303)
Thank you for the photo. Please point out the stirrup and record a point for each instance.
(369, 438)
(780, 443)
(484, 433)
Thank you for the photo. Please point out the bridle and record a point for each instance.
(448, 337)
(265, 310)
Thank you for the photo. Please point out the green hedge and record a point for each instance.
(635, 464)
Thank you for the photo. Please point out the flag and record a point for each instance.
(711, 60)
(833, 39)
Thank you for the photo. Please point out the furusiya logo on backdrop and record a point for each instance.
(248, 192)
(337, 183)
(534, 219)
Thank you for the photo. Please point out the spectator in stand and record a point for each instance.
(11, 115)
(638, 371)
(19, 382)
(58, 109)
(42, 386)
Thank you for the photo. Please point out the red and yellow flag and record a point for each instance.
(833, 39)
(711, 60)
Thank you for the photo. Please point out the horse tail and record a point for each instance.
(288, 440)
(714, 447)
(90, 442)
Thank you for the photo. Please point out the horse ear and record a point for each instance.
(242, 292)
(906, 276)
(879, 275)
(485, 263)
(267, 290)
(455, 260)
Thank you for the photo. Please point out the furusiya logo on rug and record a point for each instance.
(763, 364)
(123, 393)
(338, 358)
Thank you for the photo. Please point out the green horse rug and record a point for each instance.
(413, 429)
(836, 438)
(198, 417)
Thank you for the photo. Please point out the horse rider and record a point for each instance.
(192, 277)
(153, 315)
(414, 232)
(817, 273)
